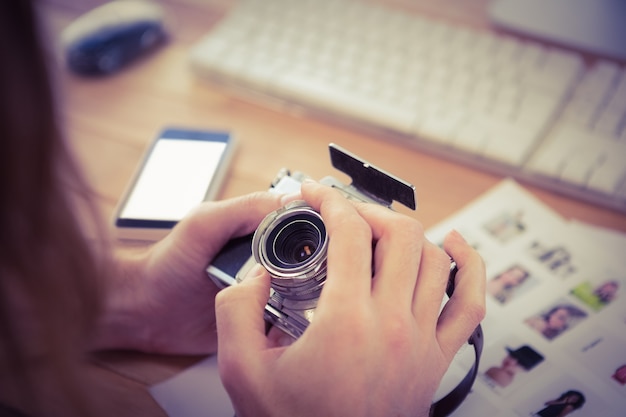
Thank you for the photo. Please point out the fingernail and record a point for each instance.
(285, 340)
(256, 271)
(458, 236)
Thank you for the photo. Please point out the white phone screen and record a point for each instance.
(174, 179)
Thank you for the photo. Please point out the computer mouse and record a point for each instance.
(107, 38)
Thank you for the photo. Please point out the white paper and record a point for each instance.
(195, 392)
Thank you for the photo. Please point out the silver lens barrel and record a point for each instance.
(291, 243)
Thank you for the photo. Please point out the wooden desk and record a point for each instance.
(110, 121)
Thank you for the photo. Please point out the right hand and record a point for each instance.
(378, 345)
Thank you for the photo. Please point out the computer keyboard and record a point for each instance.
(514, 107)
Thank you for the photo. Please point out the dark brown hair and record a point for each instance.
(48, 283)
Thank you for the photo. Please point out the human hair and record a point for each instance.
(504, 293)
(601, 293)
(524, 276)
(526, 357)
(571, 311)
(48, 270)
(578, 402)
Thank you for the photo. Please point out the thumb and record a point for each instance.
(239, 317)
(206, 228)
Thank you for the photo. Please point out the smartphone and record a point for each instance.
(182, 168)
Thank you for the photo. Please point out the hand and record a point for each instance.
(378, 345)
(160, 299)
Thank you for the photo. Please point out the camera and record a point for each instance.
(291, 243)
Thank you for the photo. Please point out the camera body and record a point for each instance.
(291, 242)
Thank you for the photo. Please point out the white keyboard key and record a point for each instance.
(260, 75)
(536, 109)
(322, 95)
(552, 156)
(531, 55)
(569, 64)
(617, 101)
(608, 124)
(580, 112)
(471, 137)
(510, 144)
(579, 162)
(607, 177)
(599, 81)
(440, 126)
(559, 71)
(548, 161)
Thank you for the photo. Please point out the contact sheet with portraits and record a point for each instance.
(555, 330)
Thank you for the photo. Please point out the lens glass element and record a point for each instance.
(291, 243)
(295, 240)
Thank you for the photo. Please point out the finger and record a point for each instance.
(240, 323)
(210, 225)
(396, 256)
(349, 247)
(466, 308)
(277, 337)
(431, 284)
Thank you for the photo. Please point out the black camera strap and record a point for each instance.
(446, 405)
(449, 403)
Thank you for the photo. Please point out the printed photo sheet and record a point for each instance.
(555, 330)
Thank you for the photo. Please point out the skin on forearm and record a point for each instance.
(159, 300)
(120, 325)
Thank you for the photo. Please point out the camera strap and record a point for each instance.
(446, 405)
(449, 403)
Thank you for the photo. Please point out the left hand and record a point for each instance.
(160, 299)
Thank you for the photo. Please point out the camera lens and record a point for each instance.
(291, 244)
(295, 240)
